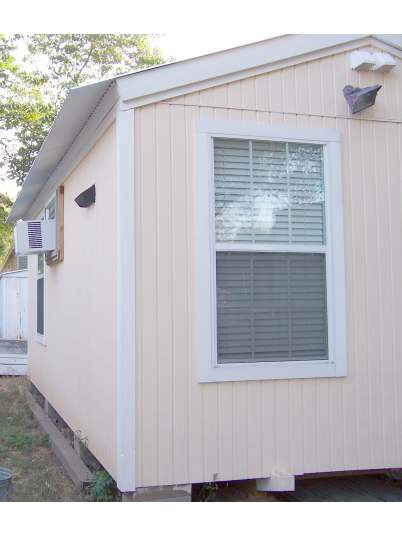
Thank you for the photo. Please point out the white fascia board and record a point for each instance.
(220, 64)
(394, 40)
(390, 46)
(140, 91)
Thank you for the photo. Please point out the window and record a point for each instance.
(49, 213)
(268, 264)
(40, 298)
(55, 211)
(22, 262)
(50, 210)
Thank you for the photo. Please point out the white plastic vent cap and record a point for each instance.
(360, 60)
(383, 62)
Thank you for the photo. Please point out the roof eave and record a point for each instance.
(219, 64)
(154, 83)
(71, 119)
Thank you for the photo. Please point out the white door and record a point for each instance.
(13, 305)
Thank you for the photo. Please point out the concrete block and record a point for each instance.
(72, 463)
(276, 483)
(180, 493)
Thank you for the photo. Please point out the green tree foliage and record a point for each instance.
(34, 87)
(5, 230)
(25, 116)
(77, 58)
(7, 63)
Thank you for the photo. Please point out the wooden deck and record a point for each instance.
(13, 357)
(364, 488)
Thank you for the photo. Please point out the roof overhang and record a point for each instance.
(164, 81)
(156, 83)
(74, 114)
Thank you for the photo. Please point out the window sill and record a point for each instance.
(271, 371)
(41, 339)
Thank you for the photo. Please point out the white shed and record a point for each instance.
(228, 307)
(13, 305)
(13, 322)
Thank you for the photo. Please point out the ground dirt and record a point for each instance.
(235, 491)
(37, 474)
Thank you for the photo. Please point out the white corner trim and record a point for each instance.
(125, 329)
(208, 368)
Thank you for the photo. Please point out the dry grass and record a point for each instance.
(37, 474)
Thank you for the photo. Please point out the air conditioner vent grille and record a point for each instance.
(34, 235)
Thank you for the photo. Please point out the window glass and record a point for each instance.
(271, 305)
(41, 263)
(50, 211)
(40, 306)
(269, 192)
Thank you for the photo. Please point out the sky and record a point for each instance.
(9, 188)
(181, 46)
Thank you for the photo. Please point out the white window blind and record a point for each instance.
(50, 211)
(22, 262)
(268, 191)
(271, 305)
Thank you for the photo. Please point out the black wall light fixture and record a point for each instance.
(360, 98)
(87, 197)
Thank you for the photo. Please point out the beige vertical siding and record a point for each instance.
(189, 432)
(76, 368)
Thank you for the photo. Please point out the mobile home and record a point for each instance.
(223, 298)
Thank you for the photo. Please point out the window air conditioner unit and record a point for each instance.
(37, 236)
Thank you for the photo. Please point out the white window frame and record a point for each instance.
(208, 368)
(53, 198)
